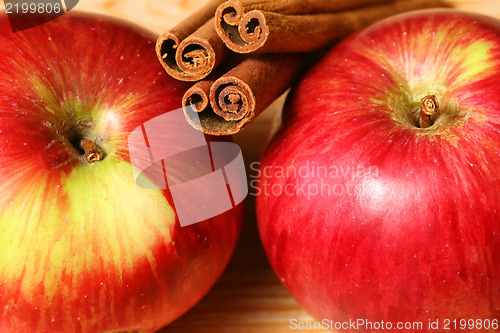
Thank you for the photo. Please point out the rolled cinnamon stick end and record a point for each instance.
(240, 95)
(192, 49)
(241, 31)
(258, 31)
(196, 101)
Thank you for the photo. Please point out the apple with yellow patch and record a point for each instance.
(83, 248)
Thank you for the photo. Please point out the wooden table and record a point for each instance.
(248, 297)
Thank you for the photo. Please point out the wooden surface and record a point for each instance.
(248, 297)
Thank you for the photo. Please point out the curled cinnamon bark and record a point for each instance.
(192, 49)
(263, 31)
(196, 105)
(241, 94)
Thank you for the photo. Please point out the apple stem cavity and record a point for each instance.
(92, 151)
(429, 106)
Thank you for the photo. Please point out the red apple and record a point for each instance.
(367, 215)
(83, 248)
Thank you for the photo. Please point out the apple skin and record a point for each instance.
(82, 247)
(376, 218)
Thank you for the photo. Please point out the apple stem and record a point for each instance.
(429, 106)
(92, 151)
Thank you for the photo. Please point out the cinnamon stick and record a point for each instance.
(261, 31)
(196, 105)
(297, 6)
(192, 49)
(241, 94)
